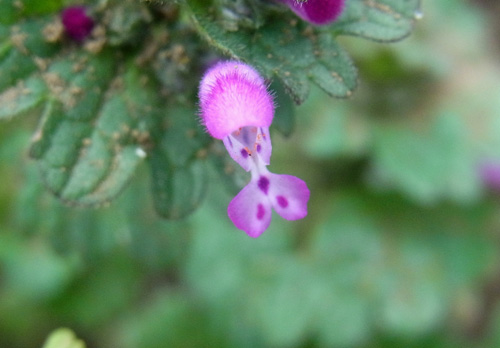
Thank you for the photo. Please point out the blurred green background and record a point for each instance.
(400, 248)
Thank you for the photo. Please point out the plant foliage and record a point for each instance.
(127, 94)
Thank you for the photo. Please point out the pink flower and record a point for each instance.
(76, 22)
(317, 12)
(237, 108)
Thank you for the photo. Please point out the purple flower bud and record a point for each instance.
(237, 108)
(317, 12)
(76, 23)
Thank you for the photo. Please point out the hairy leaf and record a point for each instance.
(13, 10)
(88, 142)
(23, 54)
(284, 119)
(379, 20)
(289, 50)
(178, 172)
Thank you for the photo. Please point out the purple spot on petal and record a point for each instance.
(259, 147)
(244, 153)
(263, 184)
(282, 201)
(260, 212)
(230, 142)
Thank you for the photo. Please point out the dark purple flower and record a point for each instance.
(76, 22)
(317, 12)
(237, 108)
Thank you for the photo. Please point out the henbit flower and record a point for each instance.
(317, 12)
(237, 108)
(76, 22)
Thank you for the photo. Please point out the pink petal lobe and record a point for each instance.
(289, 196)
(250, 210)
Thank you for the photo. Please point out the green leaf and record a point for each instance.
(177, 191)
(34, 271)
(372, 254)
(232, 176)
(178, 172)
(29, 37)
(296, 54)
(333, 129)
(401, 261)
(13, 10)
(285, 308)
(177, 311)
(22, 98)
(113, 276)
(63, 338)
(88, 142)
(379, 20)
(126, 23)
(23, 53)
(431, 164)
(284, 117)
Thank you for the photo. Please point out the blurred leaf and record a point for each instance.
(232, 176)
(34, 271)
(14, 66)
(174, 64)
(177, 191)
(14, 10)
(380, 20)
(284, 118)
(63, 338)
(23, 53)
(234, 15)
(22, 98)
(431, 164)
(178, 173)
(88, 144)
(335, 128)
(243, 282)
(293, 53)
(102, 292)
(285, 307)
(377, 265)
(126, 23)
(177, 312)
(400, 263)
